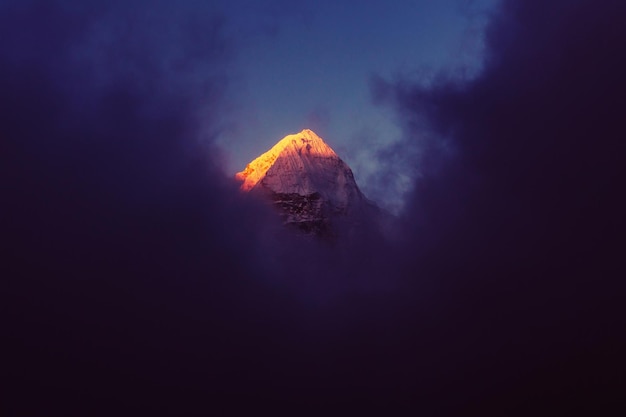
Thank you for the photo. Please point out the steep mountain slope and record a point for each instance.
(312, 188)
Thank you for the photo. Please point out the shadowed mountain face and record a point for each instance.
(311, 187)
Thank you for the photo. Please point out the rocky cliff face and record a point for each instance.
(311, 187)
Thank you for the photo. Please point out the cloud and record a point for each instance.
(518, 209)
(138, 278)
(115, 214)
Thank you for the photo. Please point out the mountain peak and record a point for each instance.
(300, 152)
(311, 187)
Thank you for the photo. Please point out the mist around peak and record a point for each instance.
(137, 279)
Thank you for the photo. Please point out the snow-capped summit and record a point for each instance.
(302, 164)
(309, 184)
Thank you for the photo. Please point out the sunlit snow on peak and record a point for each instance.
(298, 148)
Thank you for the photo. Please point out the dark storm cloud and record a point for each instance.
(518, 218)
(115, 216)
(139, 281)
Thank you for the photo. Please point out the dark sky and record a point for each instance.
(137, 280)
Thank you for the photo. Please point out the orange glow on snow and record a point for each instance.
(304, 144)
